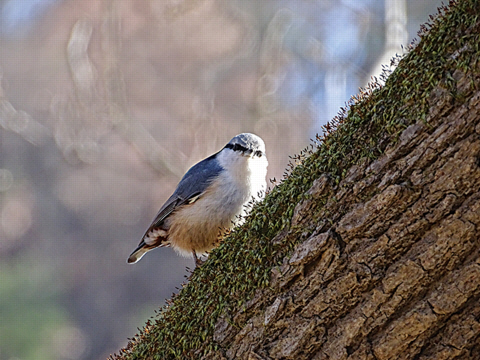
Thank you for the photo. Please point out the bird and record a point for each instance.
(209, 200)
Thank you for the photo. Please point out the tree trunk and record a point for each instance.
(385, 260)
(397, 276)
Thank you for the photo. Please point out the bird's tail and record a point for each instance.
(153, 238)
(138, 253)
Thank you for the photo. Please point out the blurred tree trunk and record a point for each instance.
(396, 33)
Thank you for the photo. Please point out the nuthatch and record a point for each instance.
(210, 198)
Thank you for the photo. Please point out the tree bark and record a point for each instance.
(397, 276)
(387, 257)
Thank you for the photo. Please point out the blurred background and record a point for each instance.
(104, 104)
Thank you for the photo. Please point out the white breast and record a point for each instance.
(245, 174)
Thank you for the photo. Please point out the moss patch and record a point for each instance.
(243, 262)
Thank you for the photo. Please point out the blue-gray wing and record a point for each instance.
(192, 186)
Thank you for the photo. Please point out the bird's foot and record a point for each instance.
(198, 261)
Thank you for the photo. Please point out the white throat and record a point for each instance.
(246, 172)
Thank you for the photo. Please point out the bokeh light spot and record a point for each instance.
(6, 179)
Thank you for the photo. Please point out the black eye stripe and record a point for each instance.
(236, 147)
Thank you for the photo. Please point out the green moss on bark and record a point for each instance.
(243, 262)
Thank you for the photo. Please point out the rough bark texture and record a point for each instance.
(397, 276)
(381, 258)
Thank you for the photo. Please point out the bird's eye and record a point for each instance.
(258, 153)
